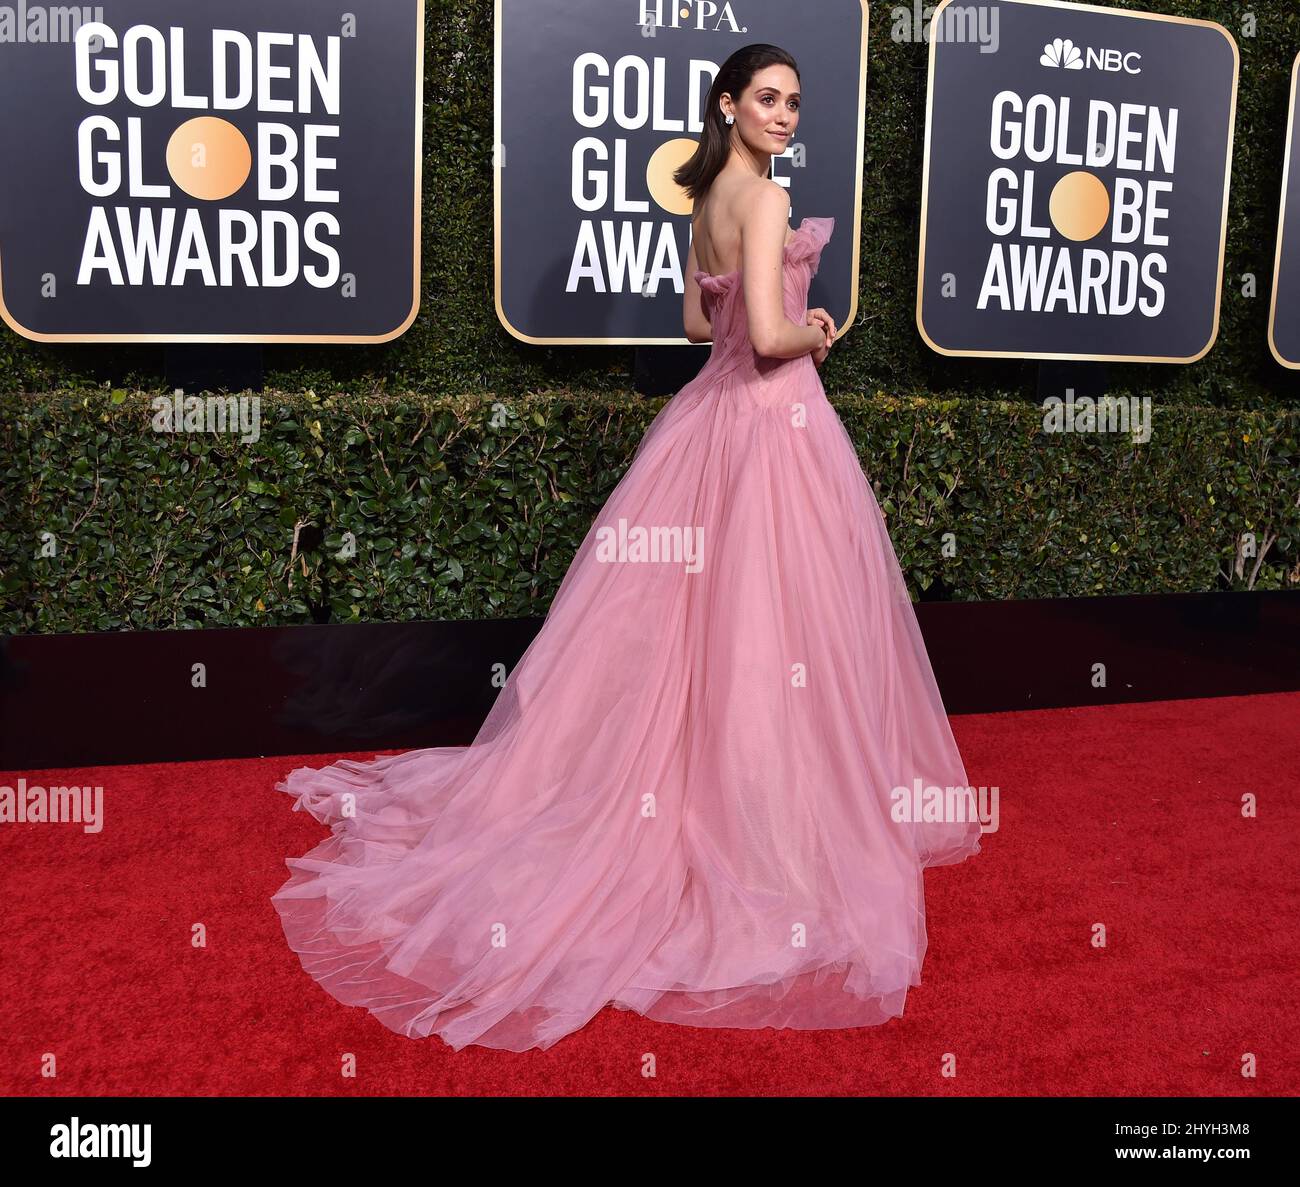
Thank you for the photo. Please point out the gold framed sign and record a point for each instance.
(598, 102)
(186, 172)
(1075, 193)
(1284, 306)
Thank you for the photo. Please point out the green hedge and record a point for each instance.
(472, 508)
(458, 345)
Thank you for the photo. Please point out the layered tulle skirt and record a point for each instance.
(706, 793)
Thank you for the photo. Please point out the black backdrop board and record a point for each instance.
(214, 367)
(1076, 182)
(184, 171)
(1070, 378)
(664, 370)
(598, 103)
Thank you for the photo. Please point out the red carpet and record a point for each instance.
(1128, 817)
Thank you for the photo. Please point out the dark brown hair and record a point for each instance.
(736, 73)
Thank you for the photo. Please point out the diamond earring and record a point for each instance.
(731, 119)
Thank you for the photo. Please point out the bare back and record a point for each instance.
(716, 224)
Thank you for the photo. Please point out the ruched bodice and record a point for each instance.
(723, 299)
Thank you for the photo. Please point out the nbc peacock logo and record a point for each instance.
(1063, 54)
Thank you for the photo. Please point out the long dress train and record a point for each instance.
(696, 795)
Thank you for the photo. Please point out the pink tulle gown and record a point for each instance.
(683, 800)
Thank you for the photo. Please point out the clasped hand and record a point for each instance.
(820, 317)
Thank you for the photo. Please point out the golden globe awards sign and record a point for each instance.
(598, 102)
(191, 172)
(1076, 182)
(1284, 313)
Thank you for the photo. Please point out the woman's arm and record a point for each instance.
(762, 246)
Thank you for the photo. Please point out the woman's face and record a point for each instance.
(767, 113)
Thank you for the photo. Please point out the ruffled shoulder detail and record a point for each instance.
(813, 235)
(714, 284)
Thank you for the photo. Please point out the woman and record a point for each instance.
(686, 799)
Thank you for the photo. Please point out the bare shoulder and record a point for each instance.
(771, 200)
(765, 210)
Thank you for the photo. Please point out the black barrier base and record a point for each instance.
(214, 367)
(1058, 377)
(665, 370)
(123, 697)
